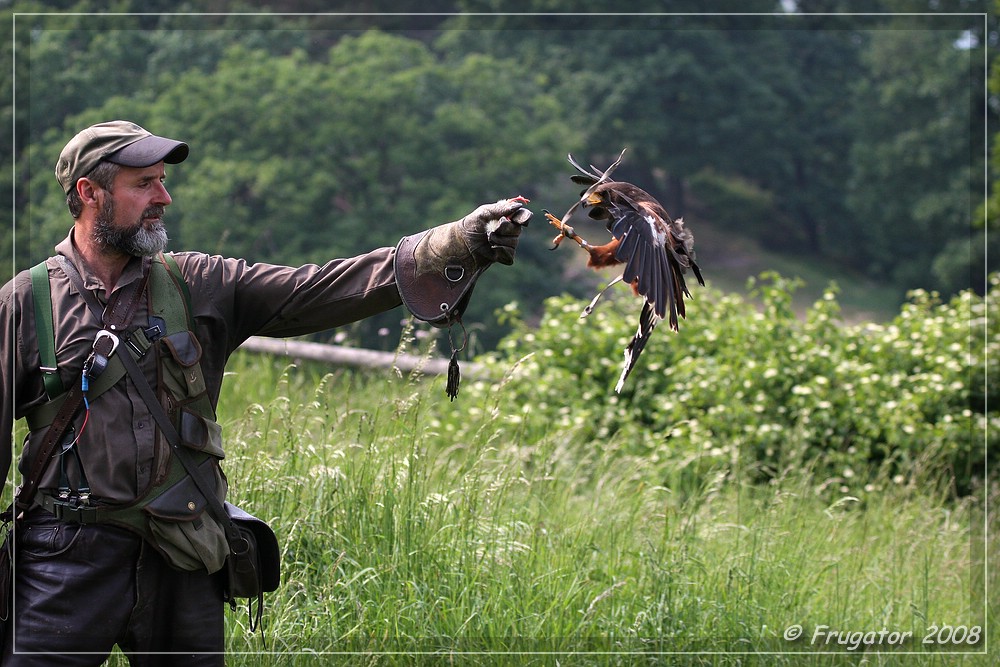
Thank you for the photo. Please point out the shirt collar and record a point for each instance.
(133, 270)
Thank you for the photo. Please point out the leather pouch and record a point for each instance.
(183, 529)
(254, 563)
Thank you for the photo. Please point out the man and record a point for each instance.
(80, 586)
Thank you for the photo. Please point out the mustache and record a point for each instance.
(154, 212)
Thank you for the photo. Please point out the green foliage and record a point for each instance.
(803, 109)
(735, 203)
(320, 135)
(751, 390)
(407, 141)
(410, 524)
(931, 159)
(416, 529)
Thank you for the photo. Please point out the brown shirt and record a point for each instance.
(231, 299)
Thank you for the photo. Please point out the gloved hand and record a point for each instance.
(489, 234)
(492, 230)
(437, 269)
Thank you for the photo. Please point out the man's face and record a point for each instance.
(131, 217)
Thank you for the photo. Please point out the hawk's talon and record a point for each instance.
(565, 231)
(557, 223)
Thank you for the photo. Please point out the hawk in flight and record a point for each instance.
(656, 250)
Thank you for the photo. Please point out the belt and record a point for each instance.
(70, 511)
(73, 511)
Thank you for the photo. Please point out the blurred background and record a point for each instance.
(794, 136)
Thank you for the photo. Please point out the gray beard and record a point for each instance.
(146, 242)
(136, 242)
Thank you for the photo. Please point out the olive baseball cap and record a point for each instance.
(118, 141)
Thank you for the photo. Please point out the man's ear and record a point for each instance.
(88, 190)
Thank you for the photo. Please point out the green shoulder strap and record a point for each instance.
(168, 289)
(44, 328)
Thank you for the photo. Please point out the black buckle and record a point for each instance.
(72, 511)
(156, 330)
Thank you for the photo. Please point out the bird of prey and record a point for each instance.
(656, 250)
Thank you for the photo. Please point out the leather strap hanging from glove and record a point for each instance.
(437, 269)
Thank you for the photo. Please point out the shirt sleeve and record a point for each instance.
(238, 299)
(7, 342)
(18, 351)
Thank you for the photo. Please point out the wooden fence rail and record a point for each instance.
(341, 355)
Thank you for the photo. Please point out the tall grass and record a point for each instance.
(402, 542)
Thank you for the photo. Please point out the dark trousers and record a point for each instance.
(79, 590)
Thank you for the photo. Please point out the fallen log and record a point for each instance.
(343, 355)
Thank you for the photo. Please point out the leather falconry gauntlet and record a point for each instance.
(437, 269)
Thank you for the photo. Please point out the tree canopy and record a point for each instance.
(853, 138)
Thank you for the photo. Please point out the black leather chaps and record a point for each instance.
(79, 590)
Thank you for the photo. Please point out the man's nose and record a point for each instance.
(162, 196)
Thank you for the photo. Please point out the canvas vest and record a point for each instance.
(170, 513)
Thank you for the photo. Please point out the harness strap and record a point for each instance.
(67, 411)
(174, 272)
(126, 516)
(138, 343)
(42, 297)
(68, 446)
(169, 297)
(166, 282)
(23, 497)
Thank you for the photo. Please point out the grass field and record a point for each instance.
(415, 530)
(402, 546)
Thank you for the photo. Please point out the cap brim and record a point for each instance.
(149, 151)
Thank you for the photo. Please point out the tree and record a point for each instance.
(916, 158)
(296, 160)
